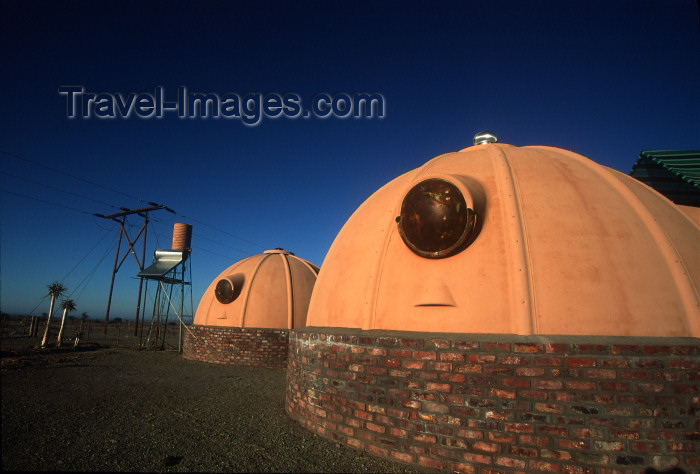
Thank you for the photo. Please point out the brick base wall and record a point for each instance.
(238, 346)
(491, 403)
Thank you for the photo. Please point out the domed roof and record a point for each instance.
(271, 290)
(520, 240)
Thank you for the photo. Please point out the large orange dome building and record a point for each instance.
(516, 240)
(510, 309)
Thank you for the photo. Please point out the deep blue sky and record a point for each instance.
(605, 79)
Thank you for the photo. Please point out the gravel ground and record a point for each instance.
(117, 409)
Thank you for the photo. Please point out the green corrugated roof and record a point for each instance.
(683, 163)
(673, 173)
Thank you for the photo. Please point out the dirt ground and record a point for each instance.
(101, 407)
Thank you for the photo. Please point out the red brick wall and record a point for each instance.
(239, 346)
(484, 403)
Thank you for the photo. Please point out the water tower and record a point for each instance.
(171, 270)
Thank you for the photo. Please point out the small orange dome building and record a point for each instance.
(505, 309)
(245, 314)
(270, 290)
(516, 240)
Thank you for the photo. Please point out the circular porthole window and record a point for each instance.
(224, 291)
(435, 220)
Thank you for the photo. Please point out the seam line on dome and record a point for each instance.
(681, 276)
(370, 311)
(290, 296)
(246, 299)
(524, 292)
(310, 266)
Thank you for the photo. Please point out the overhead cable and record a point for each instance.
(71, 176)
(45, 202)
(57, 189)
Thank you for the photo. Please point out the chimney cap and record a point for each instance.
(484, 137)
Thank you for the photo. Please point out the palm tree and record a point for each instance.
(67, 306)
(56, 290)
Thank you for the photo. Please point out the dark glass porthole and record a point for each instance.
(435, 220)
(225, 292)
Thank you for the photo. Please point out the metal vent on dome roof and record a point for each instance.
(484, 137)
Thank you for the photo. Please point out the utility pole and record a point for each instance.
(120, 218)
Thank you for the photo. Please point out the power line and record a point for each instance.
(155, 233)
(198, 236)
(70, 175)
(223, 245)
(211, 252)
(37, 305)
(89, 276)
(56, 189)
(222, 231)
(45, 202)
(13, 155)
(194, 220)
(86, 255)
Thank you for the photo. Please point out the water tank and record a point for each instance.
(182, 236)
